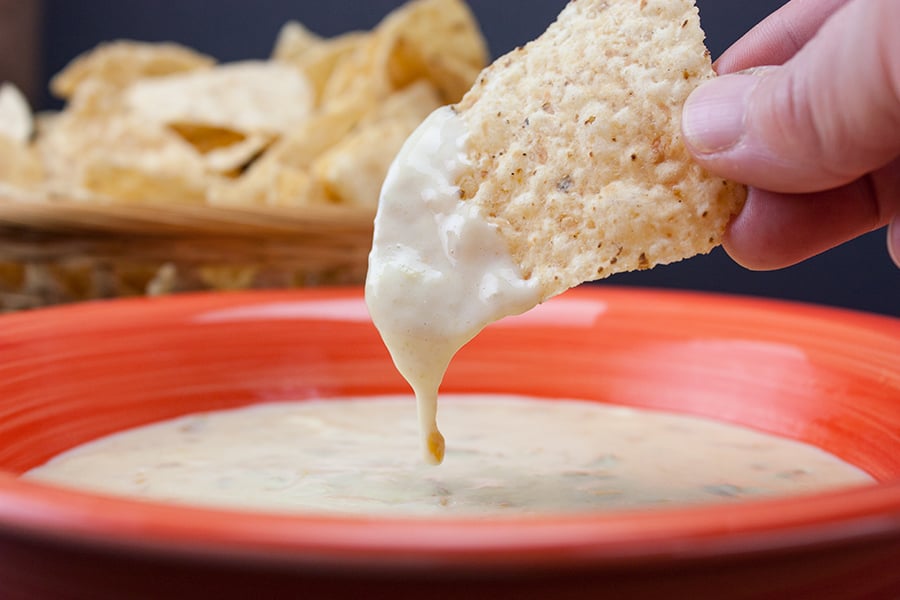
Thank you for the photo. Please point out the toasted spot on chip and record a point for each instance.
(206, 138)
(223, 150)
(590, 111)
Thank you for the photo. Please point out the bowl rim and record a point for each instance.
(41, 511)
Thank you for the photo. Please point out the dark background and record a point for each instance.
(858, 275)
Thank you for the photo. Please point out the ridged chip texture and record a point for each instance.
(576, 144)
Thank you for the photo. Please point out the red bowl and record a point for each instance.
(824, 376)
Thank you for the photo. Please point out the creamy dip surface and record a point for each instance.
(438, 272)
(511, 456)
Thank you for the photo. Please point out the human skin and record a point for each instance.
(806, 112)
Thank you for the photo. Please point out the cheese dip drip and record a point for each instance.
(438, 272)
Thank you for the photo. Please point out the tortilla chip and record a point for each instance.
(576, 145)
(20, 166)
(227, 277)
(360, 74)
(121, 63)
(268, 184)
(206, 138)
(293, 187)
(232, 160)
(159, 122)
(95, 99)
(120, 158)
(352, 171)
(293, 41)
(325, 128)
(248, 97)
(437, 40)
(223, 150)
(16, 121)
(125, 183)
(416, 101)
(316, 57)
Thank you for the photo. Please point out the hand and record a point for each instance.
(815, 131)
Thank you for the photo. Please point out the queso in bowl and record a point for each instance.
(825, 377)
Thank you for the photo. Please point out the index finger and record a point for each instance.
(779, 36)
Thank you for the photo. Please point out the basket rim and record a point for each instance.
(56, 213)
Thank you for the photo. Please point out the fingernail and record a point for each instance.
(893, 240)
(714, 114)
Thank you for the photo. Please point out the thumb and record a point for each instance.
(823, 119)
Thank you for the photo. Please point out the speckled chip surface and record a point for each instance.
(576, 146)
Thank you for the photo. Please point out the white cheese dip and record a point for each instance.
(511, 456)
(438, 272)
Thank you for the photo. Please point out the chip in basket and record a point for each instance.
(119, 64)
(317, 123)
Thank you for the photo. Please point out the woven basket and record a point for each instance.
(56, 250)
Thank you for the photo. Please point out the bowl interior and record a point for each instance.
(68, 375)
